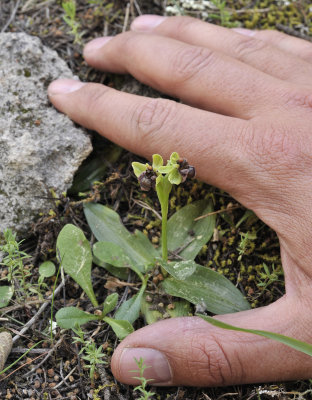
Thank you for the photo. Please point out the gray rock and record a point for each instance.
(40, 148)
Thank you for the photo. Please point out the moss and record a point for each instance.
(27, 73)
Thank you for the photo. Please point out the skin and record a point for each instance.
(245, 124)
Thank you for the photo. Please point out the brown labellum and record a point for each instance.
(147, 180)
(186, 171)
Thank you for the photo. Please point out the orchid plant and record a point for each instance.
(161, 177)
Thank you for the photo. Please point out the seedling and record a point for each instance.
(144, 382)
(268, 277)
(14, 259)
(69, 8)
(46, 270)
(90, 353)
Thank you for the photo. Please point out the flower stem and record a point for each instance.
(164, 242)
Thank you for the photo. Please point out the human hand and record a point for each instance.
(247, 129)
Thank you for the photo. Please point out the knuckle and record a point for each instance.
(151, 118)
(248, 45)
(128, 42)
(210, 362)
(184, 25)
(275, 149)
(296, 98)
(97, 96)
(188, 61)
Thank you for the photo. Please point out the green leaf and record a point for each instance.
(121, 328)
(119, 272)
(93, 168)
(143, 242)
(111, 253)
(157, 161)
(110, 303)
(130, 309)
(181, 308)
(69, 317)
(138, 168)
(149, 314)
(184, 232)
(47, 269)
(107, 227)
(6, 293)
(203, 286)
(175, 177)
(99, 259)
(90, 171)
(174, 157)
(288, 341)
(75, 255)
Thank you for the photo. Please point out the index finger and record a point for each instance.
(211, 142)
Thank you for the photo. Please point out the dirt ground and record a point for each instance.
(55, 370)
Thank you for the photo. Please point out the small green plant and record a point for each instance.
(14, 259)
(267, 277)
(119, 251)
(70, 18)
(18, 274)
(46, 270)
(246, 245)
(144, 382)
(90, 353)
(224, 16)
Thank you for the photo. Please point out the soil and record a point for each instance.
(56, 370)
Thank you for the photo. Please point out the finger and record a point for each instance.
(189, 351)
(199, 76)
(292, 45)
(147, 126)
(259, 49)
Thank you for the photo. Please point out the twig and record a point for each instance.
(177, 251)
(126, 20)
(137, 7)
(27, 6)
(147, 207)
(66, 377)
(250, 11)
(22, 366)
(12, 16)
(24, 349)
(18, 306)
(45, 358)
(62, 376)
(293, 32)
(39, 312)
(217, 212)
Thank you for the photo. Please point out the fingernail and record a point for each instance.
(95, 45)
(63, 86)
(158, 367)
(244, 31)
(146, 23)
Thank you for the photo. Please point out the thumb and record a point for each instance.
(189, 351)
